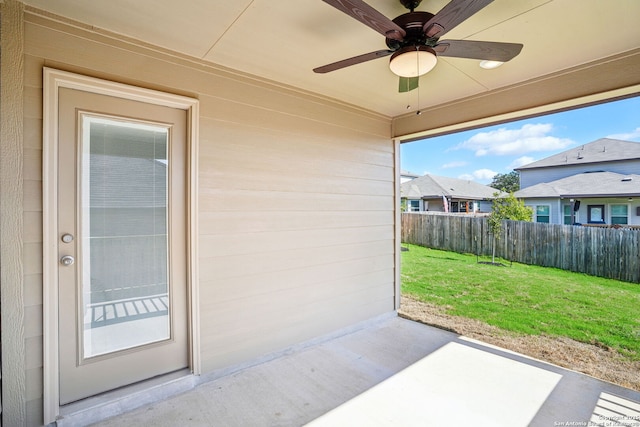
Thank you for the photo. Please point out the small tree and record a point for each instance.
(507, 182)
(506, 208)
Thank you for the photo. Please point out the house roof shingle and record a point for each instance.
(601, 150)
(588, 184)
(432, 186)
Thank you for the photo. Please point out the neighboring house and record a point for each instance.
(443, 194)
(597, 184)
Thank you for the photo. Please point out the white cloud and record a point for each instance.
(629, 136)
(520, 161)
(529, 138)
(451, 165)
(484, 175)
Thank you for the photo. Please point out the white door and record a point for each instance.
(121, 242)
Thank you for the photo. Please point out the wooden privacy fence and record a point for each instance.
(604, 252)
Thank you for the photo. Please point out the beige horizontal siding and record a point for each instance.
(353, 274)
(296, 196)
(244, 329)
(290, 201)
(33, 289)
(249, 264)
(228, 244)
(252, 222)
(325, 140)
(304, 160)
(281, 182)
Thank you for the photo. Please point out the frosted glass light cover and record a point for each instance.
(413, 61)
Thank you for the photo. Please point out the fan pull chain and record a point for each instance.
(418, 112)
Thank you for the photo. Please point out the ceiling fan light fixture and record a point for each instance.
(490, 65)
(413, 61)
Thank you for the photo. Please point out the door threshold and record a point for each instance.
(106, 405)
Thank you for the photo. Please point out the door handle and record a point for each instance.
(67, 260)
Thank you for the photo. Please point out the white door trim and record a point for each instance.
(53, 80)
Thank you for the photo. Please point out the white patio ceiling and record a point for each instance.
(283, 41)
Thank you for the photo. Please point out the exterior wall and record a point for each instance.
(633, 219)
(296, 206)
(557, 209)
(485, 206)
(433, 205)
(15, 293)
(529, 177)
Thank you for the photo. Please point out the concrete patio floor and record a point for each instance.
(395, 372)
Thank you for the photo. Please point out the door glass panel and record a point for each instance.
(125, 298)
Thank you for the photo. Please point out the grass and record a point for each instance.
(527, 299)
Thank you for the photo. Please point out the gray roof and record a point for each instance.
(432, 186)
(588, 184)
(599, 151)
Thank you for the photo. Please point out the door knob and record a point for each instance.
(67, 260)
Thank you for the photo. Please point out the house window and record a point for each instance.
(619, 214)
(543, 213)
(567, 215)
(414, 205)
(595, 214)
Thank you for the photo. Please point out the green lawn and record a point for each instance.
(527, 299)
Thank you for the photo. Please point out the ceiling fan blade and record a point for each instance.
(407, 84)
(451, 15)
(490, 51)
(352, 61)
(366, 14)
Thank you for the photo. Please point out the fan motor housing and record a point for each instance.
(413, 24)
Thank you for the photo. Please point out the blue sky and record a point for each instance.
(481, 153)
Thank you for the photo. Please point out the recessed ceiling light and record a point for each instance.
(490, 65)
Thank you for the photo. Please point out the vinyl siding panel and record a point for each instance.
(257, 326)
(247, 222)
(266, 241)
(311, 219)
(529, 177)
(296, 199)
(35, 411)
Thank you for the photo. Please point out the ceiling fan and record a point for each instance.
(413, 39)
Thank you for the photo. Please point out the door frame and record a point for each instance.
(53, 80)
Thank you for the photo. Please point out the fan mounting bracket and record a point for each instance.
(411, 4)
